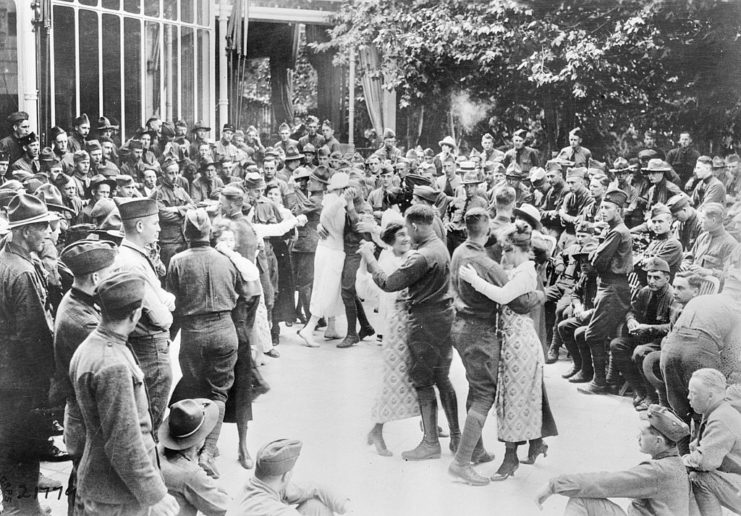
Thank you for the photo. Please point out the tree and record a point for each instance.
(603, 66)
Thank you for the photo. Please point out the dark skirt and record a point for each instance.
(239, 401)
(284, 308)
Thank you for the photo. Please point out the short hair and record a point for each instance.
(388, 235)
(311, 119)
(477, 222)
(420, 214)
(504, 196)
(270, 187)
(684, 131)
(654, 431)
(711, 378)
(732, 158)
(221, 227)
(327, 123)
(693, 279)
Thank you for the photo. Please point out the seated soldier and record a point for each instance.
(713, 246)
(647, 322)
(272, 493)
(571, 330)
(182, 435)
(559, 295)
(686, 286)
(662, 244)
(715, 451)
(657, 486)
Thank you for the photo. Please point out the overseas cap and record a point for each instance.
(656, 264)
(277, 457)
(677, 203)
(120, 290)
(130, 209)
(616, 196)
(664, 420)
(88, 256)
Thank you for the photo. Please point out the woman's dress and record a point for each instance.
(329, 260)
(397, 398)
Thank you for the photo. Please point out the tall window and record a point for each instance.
(129, 60)
(8, 57)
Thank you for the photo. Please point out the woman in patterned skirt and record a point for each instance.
(397, 398)
(523, 413)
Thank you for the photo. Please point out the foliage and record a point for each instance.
(607, 66)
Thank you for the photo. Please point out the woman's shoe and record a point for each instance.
(245, 460)
(379, 443)
(534, 451)
(506, 470)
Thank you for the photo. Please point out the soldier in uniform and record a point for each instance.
(708, 188)
(81, 176)
(118, 471)
(225, 147)
(150, 339)
(715, 452)
(515, 176)
(26, 352)
(649, 143)
(475, 337)
(683, 158)
(330, 142)
(200, 136)
(207, 186)
(613, 260)
(662, 189)
(663, 244)
(488, 152)
(522, 156)
(687, 223)
(29, 161)
(173, 202)
(459, 206)
(78, 137)
(284, 131)
(77, 316)
(647, 322)
(21, 127)
(271, 493)
(447, 151)
(313, 137)
(389, 151)
(427, 275)
(575, 154)
(657, 486)
(714, 245)
(577, 196)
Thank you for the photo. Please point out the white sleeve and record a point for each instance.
(519, 284)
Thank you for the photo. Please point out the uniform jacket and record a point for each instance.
(168, 196)
(311, 207)
(659, 486)
(258, 499)
(711, 250)
(580, 156)
(317, 141)
(717, 446)
(683, 161)
(119, 464)
(203, 189)
(688, 231)
(667, 248)
(661, 192)
(526, 158)
(10, 145)
(710, 189)
(75, 142)
(614, 256)
(393, 154)
(32, 166)
(285, 146)
(573, 203)
(652, 308)
(192, 488)
(26, 346)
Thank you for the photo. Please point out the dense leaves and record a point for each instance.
(607, 66)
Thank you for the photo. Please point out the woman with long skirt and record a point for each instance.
(329, 259)
(523, 413)
(397, 398)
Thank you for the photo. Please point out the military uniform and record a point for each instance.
(580, 156)
(192, 488)
(683, 161)
(10, 146)
(712, 250)
(172, 238)
(525, 158)
(710, 189)
(317, 141)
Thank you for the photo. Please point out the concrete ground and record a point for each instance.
(323, 397)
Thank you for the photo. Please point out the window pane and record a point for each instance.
(92, 3)
(204, 91)
(171, 9)
(186, 10)
(132, 71)
(153, 55)
(152, 7)
(89, 73)
(8, 57)
(112, 4)
(202, 6)
(112, 66)
(132, 6)
(64, 65)
(187, 82)
(171, 79)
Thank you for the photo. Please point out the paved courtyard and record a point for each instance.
(323, 397)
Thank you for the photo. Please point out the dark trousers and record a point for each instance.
(430, 346)
(303, 268)
(684, 352)
(170, 249)
(353, 307)
(208, 353)
(565, 331)
(153, 355)
(479, 348)
(654, 378)
(611, 305)
(556, 302)
(627, 356)
(21, 443)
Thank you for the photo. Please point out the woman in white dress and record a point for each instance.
(396, 398)
(522, 408)
(330, 258)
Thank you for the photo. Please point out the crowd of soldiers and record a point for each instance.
(112, 248)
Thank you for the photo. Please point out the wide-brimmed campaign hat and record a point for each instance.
(51, 195)
(188, 423)
(292, 153)
(25, 209)
(338, 180)
(529, 213)
(657, 165)
(472, 178)
(448, 140)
